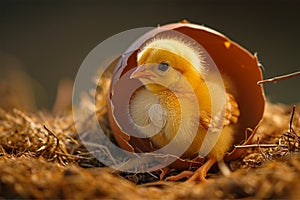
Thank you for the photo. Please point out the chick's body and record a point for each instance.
(176, 101)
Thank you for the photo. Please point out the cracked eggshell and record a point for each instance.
(232, 61)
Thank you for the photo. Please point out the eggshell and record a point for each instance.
(232, 61)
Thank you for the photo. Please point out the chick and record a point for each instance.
(174, 71)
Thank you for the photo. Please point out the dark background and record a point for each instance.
(50, 39)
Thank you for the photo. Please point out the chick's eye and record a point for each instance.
(163, 66)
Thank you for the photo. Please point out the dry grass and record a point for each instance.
(41, 156)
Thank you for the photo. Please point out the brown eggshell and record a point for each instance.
(232, 61)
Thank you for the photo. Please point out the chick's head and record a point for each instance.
(164, 63)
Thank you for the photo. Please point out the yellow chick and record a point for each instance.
(174, 71)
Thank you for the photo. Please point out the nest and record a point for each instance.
(41, 156)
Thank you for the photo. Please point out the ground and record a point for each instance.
(41, 156)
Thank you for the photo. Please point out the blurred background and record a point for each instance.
(43, 43)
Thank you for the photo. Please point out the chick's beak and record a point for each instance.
(142, 72)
